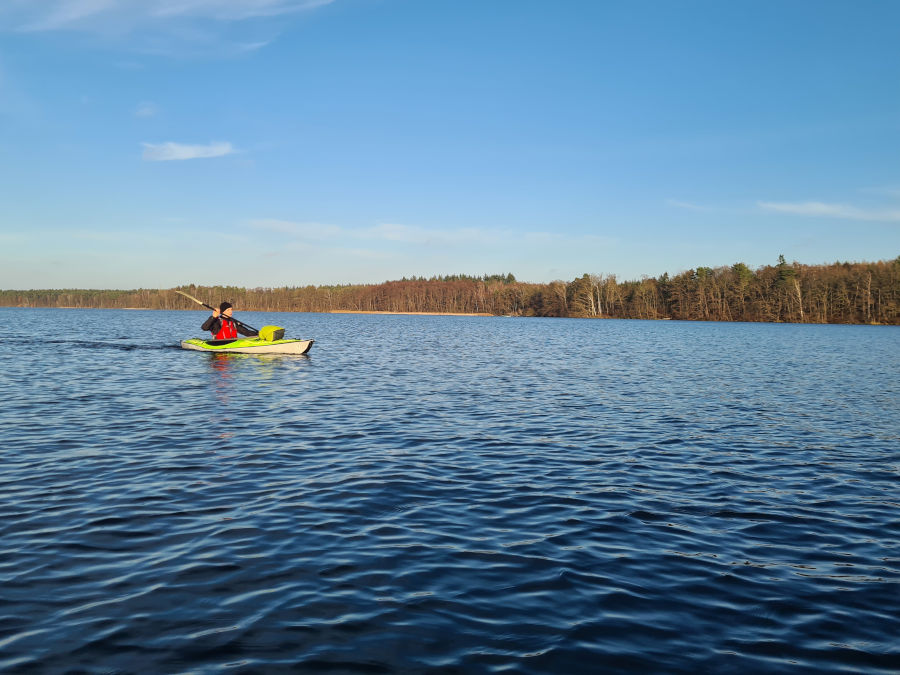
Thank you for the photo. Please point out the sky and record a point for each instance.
(265, 143)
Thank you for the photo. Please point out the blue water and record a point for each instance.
(448, 494)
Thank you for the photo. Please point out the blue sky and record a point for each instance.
(153, 143)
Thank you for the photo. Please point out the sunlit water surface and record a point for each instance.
(453, 494)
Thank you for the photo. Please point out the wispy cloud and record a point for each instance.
(413, 234)
(425, 238)
(146, 109)
(384, 232)
(49, 16)
(313, 231)
(889, 191)
(252, 46)
(97, 235)
(687, 205)
(232, 10)
(164, 152)
(160, 27)
(99, 15)
(822, 209)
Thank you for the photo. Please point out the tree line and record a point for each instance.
(840, 292)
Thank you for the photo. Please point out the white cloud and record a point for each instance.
(100, 15)
(422, 240)
(547, 240)
(49, 16)
(97, 235)
(823, 209)
(316, 231)
(399, 233)
(414, 234)
(389, 232)
(687, 205)
(364, 253)
(179, 28)
(128, 65)
(893, 191)
(146, 109)
(233, 10)
(252, 46)
(543, 238)
(163, 152)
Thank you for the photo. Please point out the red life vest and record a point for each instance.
(227, 331)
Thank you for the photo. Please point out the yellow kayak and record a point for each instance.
(249, 345)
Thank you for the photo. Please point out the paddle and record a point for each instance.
(199, 302)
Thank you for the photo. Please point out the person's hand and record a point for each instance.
(215, 314)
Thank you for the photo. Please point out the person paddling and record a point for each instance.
(222, 326)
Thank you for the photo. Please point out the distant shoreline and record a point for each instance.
(845, 293)
(332, 311)
(149, 309)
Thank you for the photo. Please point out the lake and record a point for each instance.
(448, 494)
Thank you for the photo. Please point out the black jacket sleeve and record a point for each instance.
(242, 330)
(212, 324)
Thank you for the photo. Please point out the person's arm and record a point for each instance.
(242, 330)
(212, 324)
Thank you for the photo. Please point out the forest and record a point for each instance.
(840, 292)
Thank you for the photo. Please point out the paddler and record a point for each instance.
(222, 326)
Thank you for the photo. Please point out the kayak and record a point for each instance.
(249, 346)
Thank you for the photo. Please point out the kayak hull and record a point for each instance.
(248, 346)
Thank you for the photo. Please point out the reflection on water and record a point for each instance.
(235, 378)
(456, 494)
(221, 365)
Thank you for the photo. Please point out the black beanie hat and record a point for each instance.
(224, 306)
